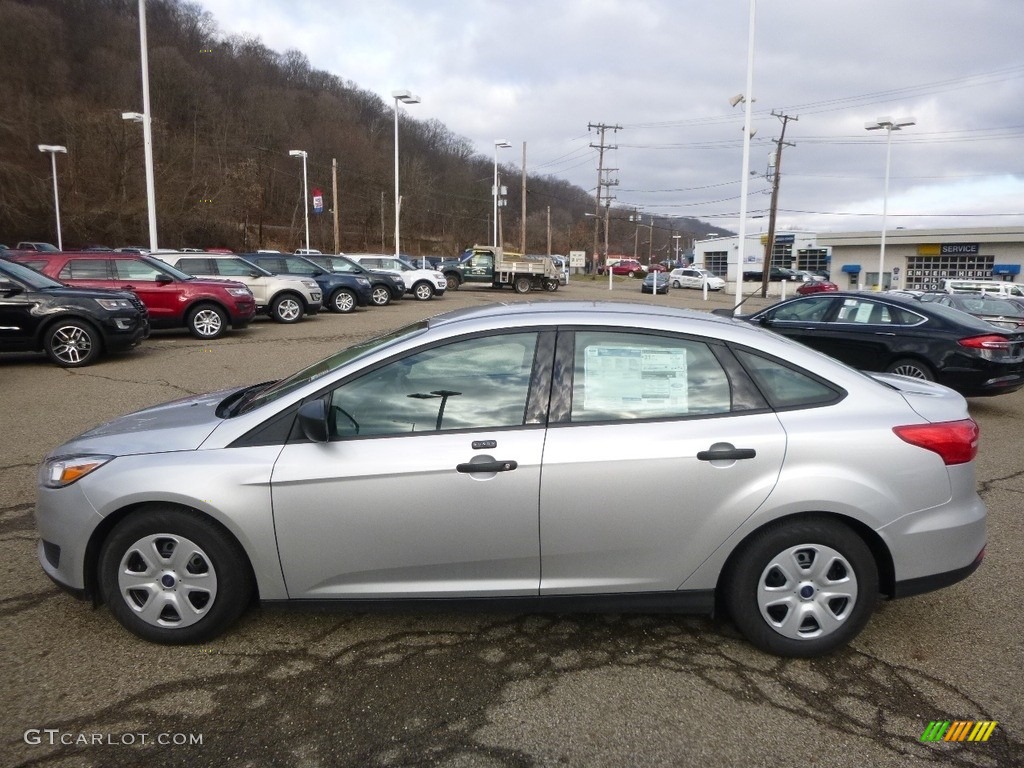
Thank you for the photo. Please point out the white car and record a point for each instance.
(694, 277)
(422, 283)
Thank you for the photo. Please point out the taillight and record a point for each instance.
(955, 441)
(1000, 343)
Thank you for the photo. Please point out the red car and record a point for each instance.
(816, 286)
(205, 307)
(630, 267)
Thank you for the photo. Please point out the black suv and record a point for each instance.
(342, 291)
(72, 325)
(385, 286)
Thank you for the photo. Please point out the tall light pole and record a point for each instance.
(305, 188)
(747, 98)
(406, 98)
(889, 125)
(53, 149)
(498, 144)
(146, 118)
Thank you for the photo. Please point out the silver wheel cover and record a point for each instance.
(207, 322)
(167, 580)
(71, 344)
(288, 309)
(807, 592)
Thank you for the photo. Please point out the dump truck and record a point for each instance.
(489, 265)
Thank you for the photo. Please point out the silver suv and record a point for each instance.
(285, 298)
(422, 283)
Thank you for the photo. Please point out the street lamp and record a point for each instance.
(406, 98)
(675, 261)
(889, 125)
(305, 191)
(53, 149)
(747, 97)
(607, 211)
(498, 144)
(139, 117)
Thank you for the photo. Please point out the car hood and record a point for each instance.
(930, 400)
(180, 425)
(72, 292)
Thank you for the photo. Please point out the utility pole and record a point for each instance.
(549, 230)
(769, 245)
(601, 128)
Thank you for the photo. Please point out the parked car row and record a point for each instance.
(73, 305)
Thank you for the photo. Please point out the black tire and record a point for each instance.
(550, 285)
(676, 284)
(522, 285)
(423, 290)
(207, 321)
(170, 575)
(342, 301)
(287, 308)
(782, 603)
(631, 273)
(453, 281)
(381, 295)
(915, 369)
(72, 343)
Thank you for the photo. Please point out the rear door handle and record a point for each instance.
(726, 454)
(487, 466)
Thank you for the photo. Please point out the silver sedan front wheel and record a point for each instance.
(171, 575)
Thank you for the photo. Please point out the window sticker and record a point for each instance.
(635, 378)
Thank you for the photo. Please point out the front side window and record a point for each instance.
(621, 376)
(130, 269)
(480, 383)
(197, 266)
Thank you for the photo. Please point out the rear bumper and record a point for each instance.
(919, 586)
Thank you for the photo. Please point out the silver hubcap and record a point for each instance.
(911, 370)
(381, 296)
(344, 302)
(288, 309)
(423, 292)
(807, 592)
(167, 580)
(207, 322)
(71, 344)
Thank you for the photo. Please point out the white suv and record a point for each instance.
(285, 298)
(421, 283)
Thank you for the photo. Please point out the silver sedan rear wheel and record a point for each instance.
(802, 588)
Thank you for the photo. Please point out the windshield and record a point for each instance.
(28, 276)
(326, 366)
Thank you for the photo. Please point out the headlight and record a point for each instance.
(64, 470)
(240, 292)
(362, 281)
(311, 284)
(114, 303)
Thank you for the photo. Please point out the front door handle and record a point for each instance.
(487, 466)
(726, 454)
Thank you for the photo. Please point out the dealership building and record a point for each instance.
(917, 259)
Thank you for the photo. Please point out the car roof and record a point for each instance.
(540, 310)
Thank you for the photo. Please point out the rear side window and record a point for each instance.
(784, 386)
(85, 269)
(623, 376)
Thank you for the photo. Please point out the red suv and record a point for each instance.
(174, 299)
(628, 267)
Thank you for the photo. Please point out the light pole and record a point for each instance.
(747, 97)
(498, 144)
(889, 125)
(675, 261)
(53, 149)
(405, 97)
(305, 191)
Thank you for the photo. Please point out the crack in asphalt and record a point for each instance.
(417, 698)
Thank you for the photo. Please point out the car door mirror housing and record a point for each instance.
(7, 288)
(313, 421)
(163, 279)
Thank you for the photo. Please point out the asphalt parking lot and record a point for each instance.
(462, 690)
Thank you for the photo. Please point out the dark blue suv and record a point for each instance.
(343, 292)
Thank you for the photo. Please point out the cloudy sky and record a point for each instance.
(540, 71)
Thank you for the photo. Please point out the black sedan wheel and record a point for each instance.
(802, 588)
(912, 368)
(72, 343)
(172, 576)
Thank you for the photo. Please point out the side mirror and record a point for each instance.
(313, 421)
(163, 279)
(7, 288)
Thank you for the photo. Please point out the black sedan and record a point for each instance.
(655, 282)
(899, 334)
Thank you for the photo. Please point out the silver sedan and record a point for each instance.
(492, 455)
